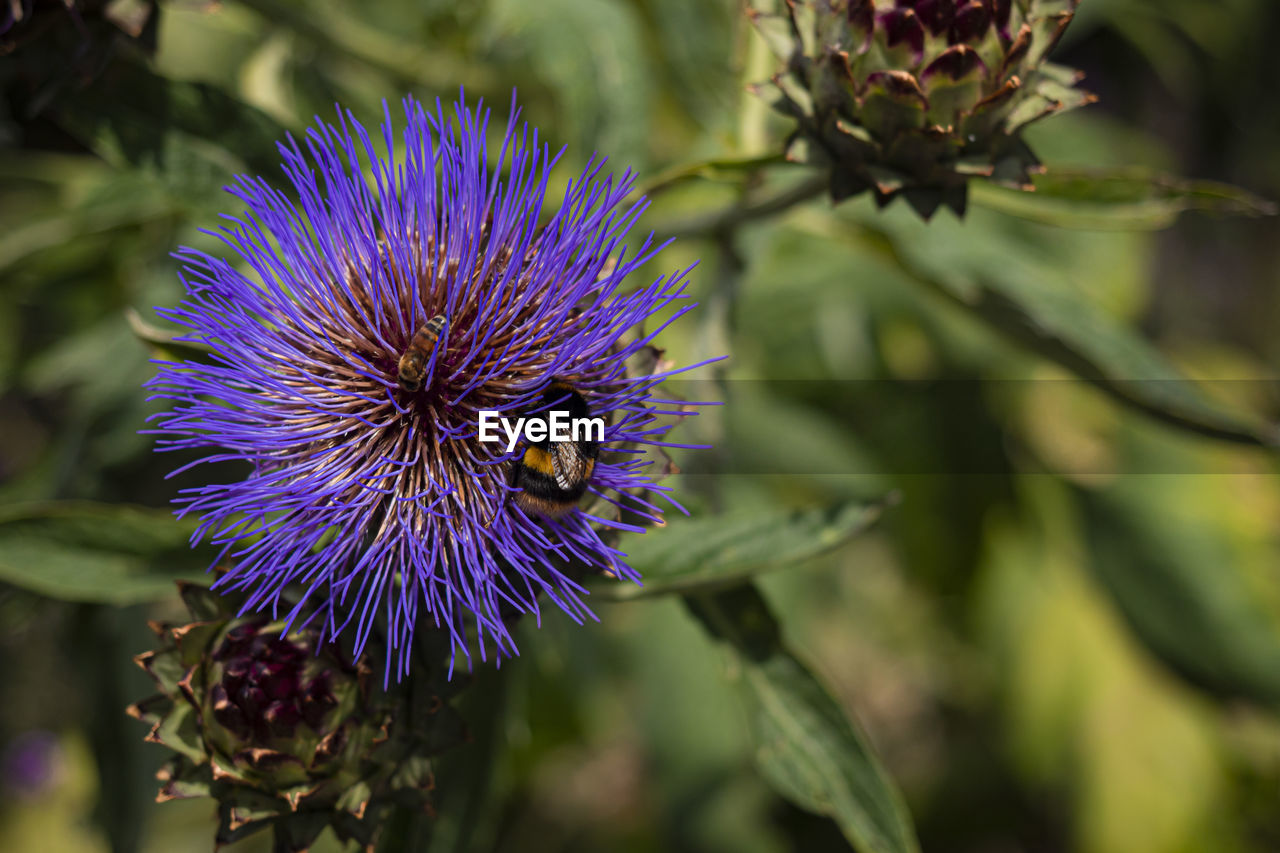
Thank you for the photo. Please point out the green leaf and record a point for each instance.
(689, 39)
(590, 54)
(180, 731)
(193, 136)
(1126, 199)
(703, 554)
(1178, 584)
(165, 342)
(84, 551)
(806, 748)
(117, 202)
(411, 62)
(1052, 318)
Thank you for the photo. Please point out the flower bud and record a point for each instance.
(284, 730)
(915, 97)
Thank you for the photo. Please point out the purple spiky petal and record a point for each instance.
(381, 505)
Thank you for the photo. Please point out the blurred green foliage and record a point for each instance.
(1064, 635)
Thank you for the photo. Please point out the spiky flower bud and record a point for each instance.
(285, 730)
(915, 97)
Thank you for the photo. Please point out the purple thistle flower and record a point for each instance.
(373, 500)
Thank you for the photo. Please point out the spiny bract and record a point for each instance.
(284, 730)
(915, 97)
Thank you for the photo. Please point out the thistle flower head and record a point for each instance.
(915, 97)
(374, 496)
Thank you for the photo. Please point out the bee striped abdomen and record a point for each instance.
(539, 461)
(542, 492)
(416, 357)
(554, 475)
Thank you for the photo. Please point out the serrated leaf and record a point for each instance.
(180, 732)
(806, 747)
(166, 667)
(413, 772)
(355, 799)
(195, 639)
(777, 32)
(187, 780)
(704, 554)
(1129, 199)
(242, 812)
(107, 554)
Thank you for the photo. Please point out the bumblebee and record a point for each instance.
(413, 364)
(553, 475)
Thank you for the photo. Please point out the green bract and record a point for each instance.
(283, 731)
(916, 97)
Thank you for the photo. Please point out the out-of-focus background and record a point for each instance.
(1065, 634)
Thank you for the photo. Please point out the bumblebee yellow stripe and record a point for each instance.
(539, 460)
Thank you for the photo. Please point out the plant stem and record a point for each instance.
(727, 219)
(678, 174)
(753, 112)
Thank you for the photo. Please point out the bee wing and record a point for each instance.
(571, 466)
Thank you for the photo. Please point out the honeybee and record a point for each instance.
(554, 474)
(413, 364)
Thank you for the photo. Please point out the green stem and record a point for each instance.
(718, 324)
(719, 167)
(464, 774)
(108, 676)
(753, 112)
(729, 218)
(721, 306)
